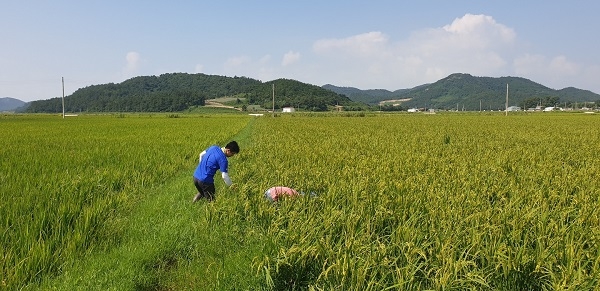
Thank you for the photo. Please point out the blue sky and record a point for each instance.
(364, 44)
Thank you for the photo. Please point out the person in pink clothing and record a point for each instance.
(275, 193)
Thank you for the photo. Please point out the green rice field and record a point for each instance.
(449, 201)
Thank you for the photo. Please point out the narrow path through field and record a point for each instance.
(167, 240)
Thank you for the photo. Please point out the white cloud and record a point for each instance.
(478, 28)
(234, 64)
(471, 44)
(474, 44)
(556, 72)
(132, 65)
(529, 64)
(562, 65)
(366, 44)
(133, 61)
(248, 67)
(290, 58)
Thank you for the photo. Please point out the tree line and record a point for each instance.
(180, 91)
(472, 93)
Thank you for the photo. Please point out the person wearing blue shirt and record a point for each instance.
(212, 159)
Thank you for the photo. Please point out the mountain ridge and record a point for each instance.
(473, 93)
(172, 92)
(181, 91)
(11, 104)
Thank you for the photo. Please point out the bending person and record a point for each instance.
(275, 193)
(212, 159)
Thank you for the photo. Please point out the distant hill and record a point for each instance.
(180, 91)
(372, 96)
(10, 104)
(467, 92)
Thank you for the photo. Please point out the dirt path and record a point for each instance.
(210, 103)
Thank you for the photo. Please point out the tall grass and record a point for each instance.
(68, 184)
(431, 202)
(404, 202)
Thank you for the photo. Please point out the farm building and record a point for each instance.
(288, 109)
(553, 108)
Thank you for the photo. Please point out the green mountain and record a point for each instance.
(467, 92)
(372, 96)
(180, 91)
(296, 94)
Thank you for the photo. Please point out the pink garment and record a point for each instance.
(278, 191)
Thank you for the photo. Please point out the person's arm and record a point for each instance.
(226, 178)
(200, 157)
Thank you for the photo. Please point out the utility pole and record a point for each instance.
(506, 99)
(273, 99)
(63, 96)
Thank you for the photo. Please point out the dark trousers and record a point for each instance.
(206, 190)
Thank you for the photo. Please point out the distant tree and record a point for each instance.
(546, 101)
(179, 91)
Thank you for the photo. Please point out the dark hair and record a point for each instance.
(233, 147)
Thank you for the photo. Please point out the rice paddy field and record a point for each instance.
(450, 201)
